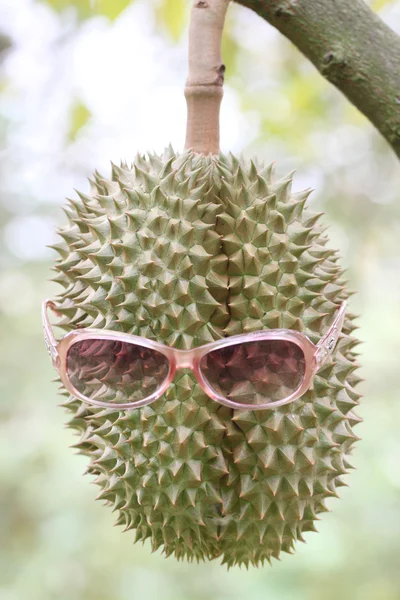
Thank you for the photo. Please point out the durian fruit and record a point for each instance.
(185, 249)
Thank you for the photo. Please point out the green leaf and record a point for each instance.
(83, 8)
(80, 115)
(111, 8)
(377, 5)
(91, 8)
(173, 15)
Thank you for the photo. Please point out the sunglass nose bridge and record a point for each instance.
(184, 359)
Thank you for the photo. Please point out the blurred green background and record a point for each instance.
(83, 82)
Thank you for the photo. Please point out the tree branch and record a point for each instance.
(203, 89)
(351, 47)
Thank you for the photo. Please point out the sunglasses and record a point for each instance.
(257, 370)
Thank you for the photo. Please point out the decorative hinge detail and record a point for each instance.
(327, 346)
(50, 348)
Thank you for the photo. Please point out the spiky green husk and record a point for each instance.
(186, 249)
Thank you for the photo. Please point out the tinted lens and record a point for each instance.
(255, 373)
(115, 372)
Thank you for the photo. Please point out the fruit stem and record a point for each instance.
(204, 91)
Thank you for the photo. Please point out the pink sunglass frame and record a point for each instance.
(315, 355)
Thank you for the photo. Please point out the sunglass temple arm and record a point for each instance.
(49, 339)
(327, 343)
